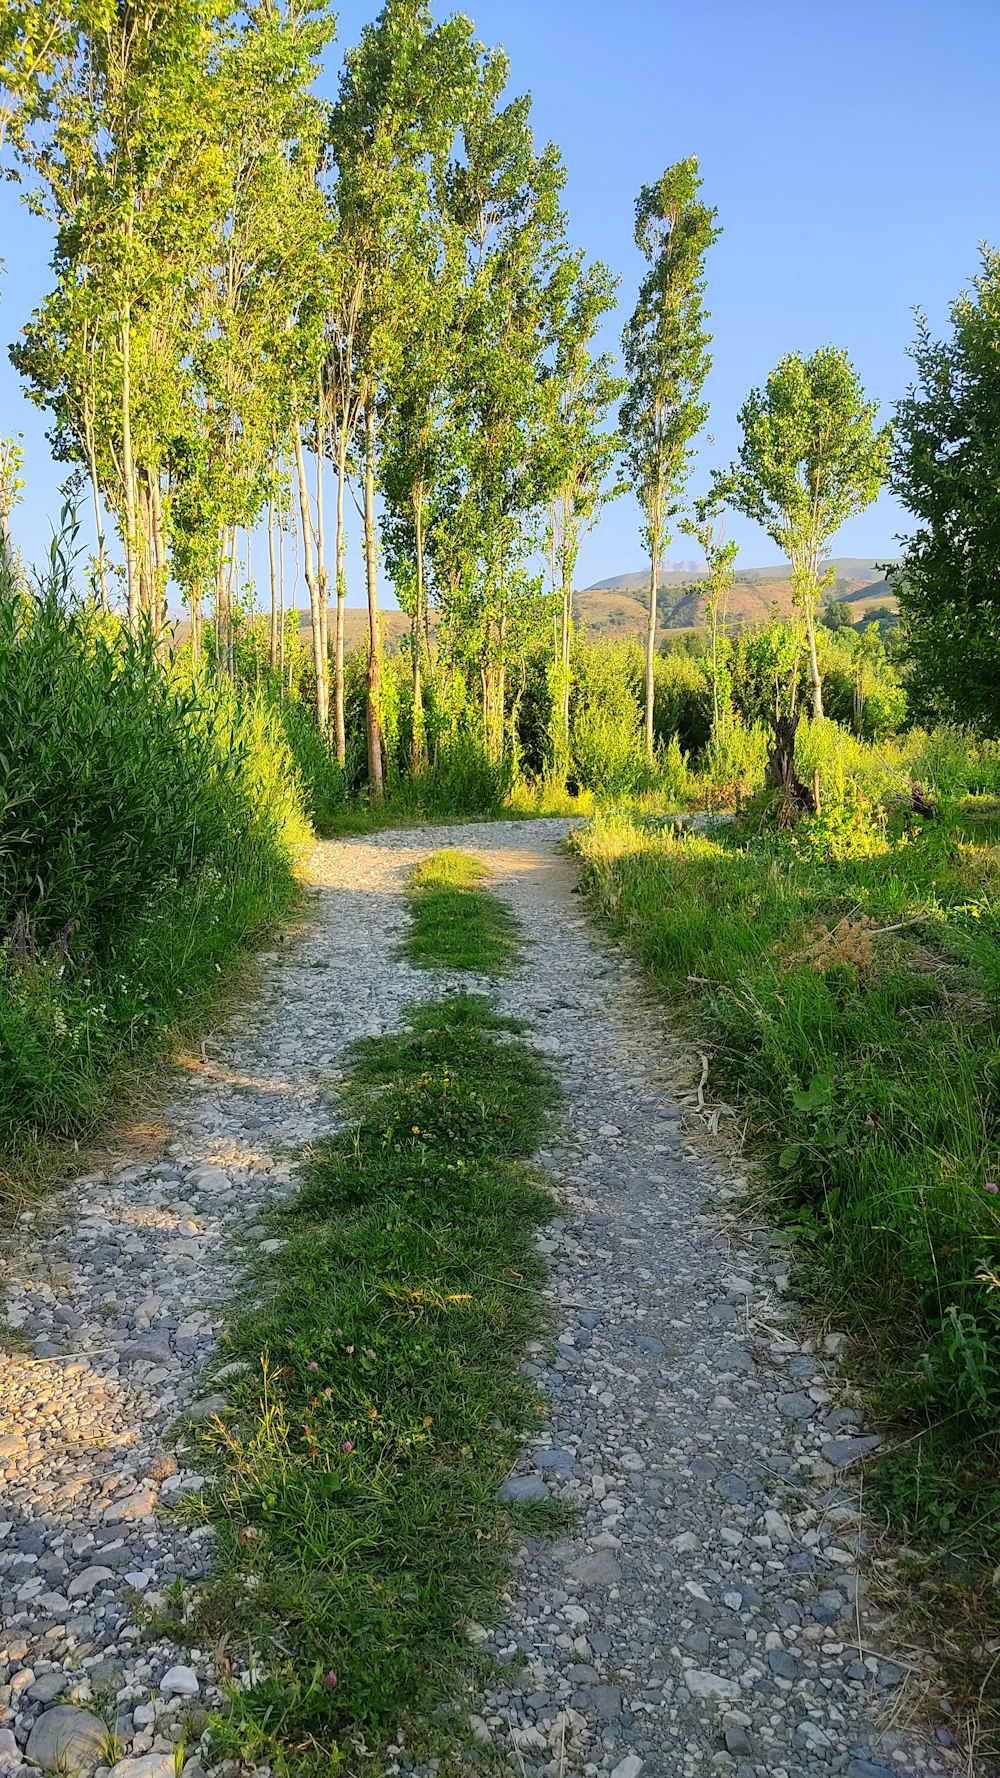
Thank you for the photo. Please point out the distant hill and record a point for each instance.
(617, 607)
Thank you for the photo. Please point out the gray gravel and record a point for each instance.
(709, 1611)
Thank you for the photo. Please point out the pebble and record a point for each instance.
(180, 1682)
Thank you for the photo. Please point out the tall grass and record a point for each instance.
(149, 824)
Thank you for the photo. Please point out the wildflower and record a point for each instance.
(416, 1129)
(347, 1447)
(330, 1681)
(313, 1366)
(991, 1186)
(428, 1419)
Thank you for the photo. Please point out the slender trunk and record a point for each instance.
(654, 577)
(95, 494)
(340, 724)
(194, 606)
(281, 592)
(144, 553)
(715, 672)
(272, 563)
(312, 582)
(322, 690)
(221, 612)
(417, 759)
(814, 673)
(128, 473)
(159, 557)
(230, 607)
(567, 644)
(374, 734)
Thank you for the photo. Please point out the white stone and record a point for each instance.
(777, 1527)
(629, 1767)
(148, 1765)
(685, 1544)
(180, 1682)
(87, 1581)
(703, 1684)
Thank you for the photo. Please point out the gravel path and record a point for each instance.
(707, 1613)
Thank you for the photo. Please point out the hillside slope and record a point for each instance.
(617, 607)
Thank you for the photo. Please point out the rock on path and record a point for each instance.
(707, 1613)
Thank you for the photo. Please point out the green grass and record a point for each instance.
(456, 923)
(382, 1403)
(849, 988)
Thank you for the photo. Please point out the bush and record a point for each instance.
(607, 750)
(149, 822)
(682, 701)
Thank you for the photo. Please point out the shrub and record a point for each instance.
(150, 821)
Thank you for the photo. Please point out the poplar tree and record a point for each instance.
(666, 360)
(506, 201)
(811, 456)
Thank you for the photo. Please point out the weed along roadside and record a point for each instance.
(848, 993)
(375, 1398)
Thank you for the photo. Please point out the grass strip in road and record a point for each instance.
(456, 923)
(382, 1401)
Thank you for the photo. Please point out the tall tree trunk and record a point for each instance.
(312, 583)
(272, 563)
(417, 755)
(322, 692)
(339, 718)
(373, 723)
(815, 680)
(654, 579)
(95, 494)
(160, 572)
(128, 474)
(221, 613)
(567, 643)
(194, 606)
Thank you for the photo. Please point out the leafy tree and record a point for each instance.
(810, 458)
(946, 470)
(391, 129)
(505, 200)
(839, 615)
(667, 361)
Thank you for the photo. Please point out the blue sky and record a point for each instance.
(852, 148)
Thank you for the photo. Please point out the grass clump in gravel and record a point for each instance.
(457, 924)
(382, 1404)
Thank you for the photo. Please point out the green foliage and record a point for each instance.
(381, 1402)
(149, 823)
(682, 704)
(946, 470)
(809, 458)
(607, 753)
